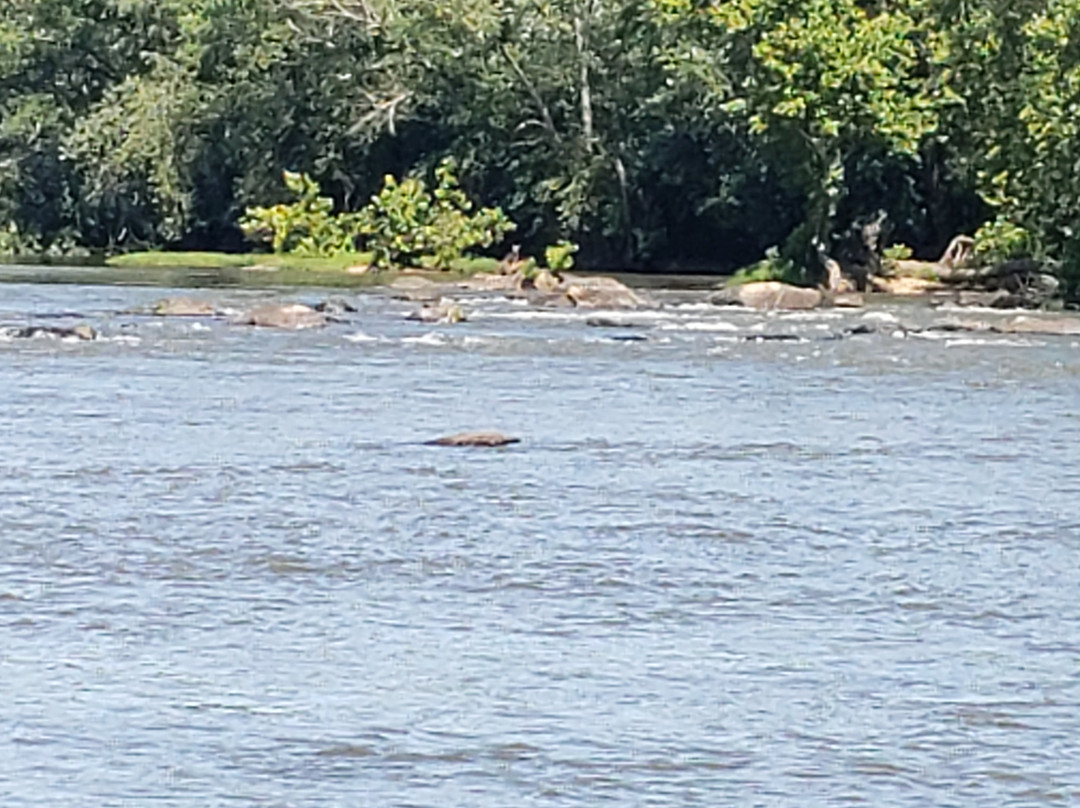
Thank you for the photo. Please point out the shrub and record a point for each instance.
(1001, 240)
(770, 268)
(305, 227)
(559, 256)
(406, 224)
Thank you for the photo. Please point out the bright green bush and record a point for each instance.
(1002, 240)
(771, 268)
(408, 225)
(897, 252)
(305, 227)
(559, 256)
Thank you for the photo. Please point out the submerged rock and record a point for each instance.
(81, 332)
(183, 307)
(481, 438)
(336, 306)
(613, 322)
(289, 316)
(1022, 324)
(767, 295)
(1051, 326)
(444, 313)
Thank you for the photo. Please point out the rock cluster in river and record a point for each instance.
(546, 288)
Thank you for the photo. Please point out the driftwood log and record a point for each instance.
(1018, 283)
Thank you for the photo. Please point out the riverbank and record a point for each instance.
(356, 264)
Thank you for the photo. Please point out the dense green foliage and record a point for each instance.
(405, 224)
(652, 132)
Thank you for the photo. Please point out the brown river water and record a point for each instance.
(836, 569)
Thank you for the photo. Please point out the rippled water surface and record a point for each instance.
(716, 571)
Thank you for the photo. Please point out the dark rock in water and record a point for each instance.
(773, 338)
(612, 322)
(483, 438)
(80, 332)
(862, 328)
(290, 316)
(183, 307)
(336, 306)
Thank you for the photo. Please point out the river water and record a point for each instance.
(715, 571)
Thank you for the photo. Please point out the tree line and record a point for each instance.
(654, 133)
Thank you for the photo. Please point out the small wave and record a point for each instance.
(1002, 343)
(360, 336)
(880, 317)
(532, 315)
(431, 338)
(699, 325)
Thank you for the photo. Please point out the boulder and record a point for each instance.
(544, 281)
(848, 300)
(413, 288)
(183, 307)
(288, 316)
(600, 293)
(482, 438)
(1024, 324)
(490, 282)
(766, 295)
(904, 286)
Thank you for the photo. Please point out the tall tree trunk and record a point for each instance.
(581, 39)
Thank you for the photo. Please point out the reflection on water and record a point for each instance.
(715, 571)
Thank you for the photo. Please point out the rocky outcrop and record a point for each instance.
(1048, 325)
(905, 286)
(599, 293)
(546, 288)
(183, 307)
(770, 295)
(483, 438)
(288, 316)
(846, 300)
(408, 287)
